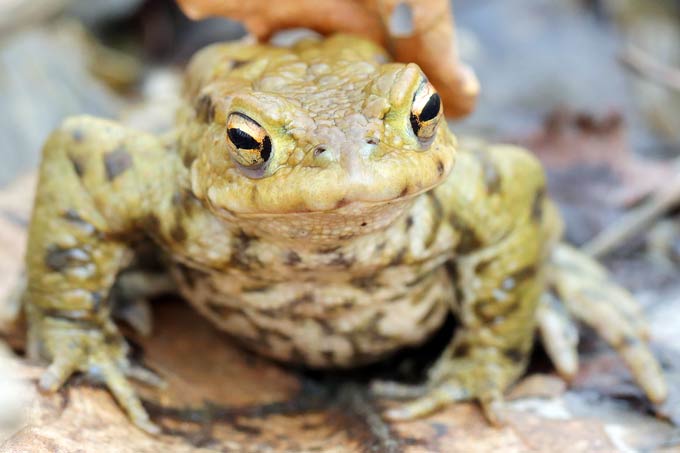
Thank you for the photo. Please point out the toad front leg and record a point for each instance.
(504, 226)
(98, 184)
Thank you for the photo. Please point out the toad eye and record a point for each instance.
(425, 112)
(252, 147)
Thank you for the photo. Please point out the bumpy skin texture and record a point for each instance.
(352, 240)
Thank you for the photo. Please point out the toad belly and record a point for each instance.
(322, 323)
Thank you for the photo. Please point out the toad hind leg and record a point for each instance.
(98, 182)
(583, 289)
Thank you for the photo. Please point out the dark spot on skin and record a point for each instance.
(491, 310)
(341, 203)
(221, 310)
(482, 266)
(430, 313)
(403, 192)
(423, 289)
(296, 356)
(397, 297)
(73, 217)
(522, 275)
(191, 275)
(78, 166)
(311, 426)
(256, 289)
(514, 355)
(492, 178)
(262, 339)
(363, 224)
(188, 159)
(341, 260)
(293, 258)
(367, 283)
(326, 326)
(178, 233)
(468, 241)
(111, 339)
(58, 258)
(440, 168)
(306, 298)
(421, 278)
(190, 202)
(398, 258)
(238, 63)
(77, 135)
(278, 336)
(239, 257)
(372, 329)
(346, 304)
(409, 222)
(117, 162)
(245, 238)
(461, 349)
(458, 293)
(205, 112)
(328, 355)
(152, 225)
(537, 205)
(372, 141)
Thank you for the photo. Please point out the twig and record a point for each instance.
(636, 220)
(647, 66)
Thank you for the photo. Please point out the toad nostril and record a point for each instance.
(372, 141)
(319, 150)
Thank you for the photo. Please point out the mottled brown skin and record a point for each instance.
(342, 229)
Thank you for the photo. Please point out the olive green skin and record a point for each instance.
(353, 240)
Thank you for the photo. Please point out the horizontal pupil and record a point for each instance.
(242, 139)
(431, 109)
